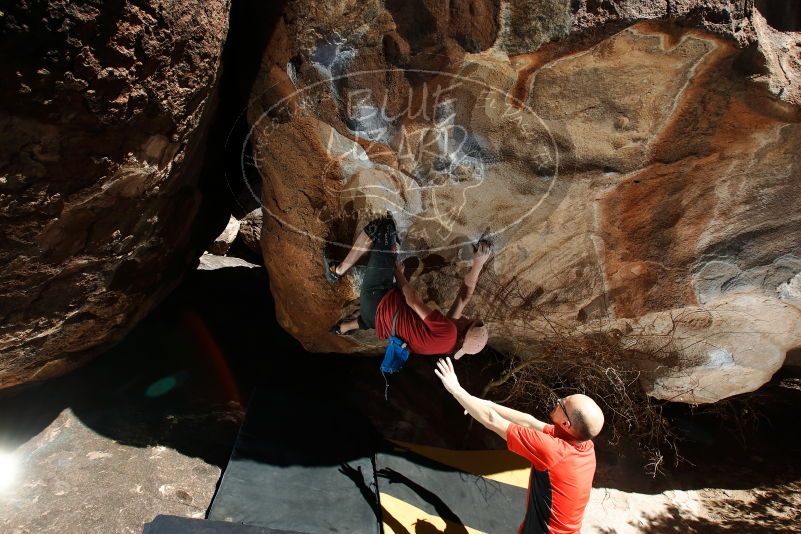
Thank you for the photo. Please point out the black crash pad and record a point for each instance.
(169, 524)
(302, 462)
(461, 499)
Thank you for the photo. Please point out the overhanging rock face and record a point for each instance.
(629, 171)
(103, 117)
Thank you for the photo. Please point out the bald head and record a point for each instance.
(586, 417)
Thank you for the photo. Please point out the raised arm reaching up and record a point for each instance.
(480, 410)
(409, 294)
(468, 287)
(515, 416)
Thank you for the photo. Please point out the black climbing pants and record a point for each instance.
(379, 276)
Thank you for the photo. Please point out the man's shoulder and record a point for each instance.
(535, 437)
(582, 452)
(582, 446)
(436, 316)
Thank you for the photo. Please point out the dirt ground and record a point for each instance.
(769, 507)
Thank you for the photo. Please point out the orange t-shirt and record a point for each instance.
(561, 478)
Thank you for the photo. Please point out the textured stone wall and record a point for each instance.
(104, 108)
(635, 163)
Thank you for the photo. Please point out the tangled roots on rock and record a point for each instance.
(598, 366)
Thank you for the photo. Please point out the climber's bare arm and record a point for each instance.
(515, 416)
(479, 409)
(409, 294)
(470, 280)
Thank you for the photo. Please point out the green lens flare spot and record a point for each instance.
(161, 387)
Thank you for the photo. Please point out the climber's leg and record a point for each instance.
(360, 247)
(379, 277)
(379, 238)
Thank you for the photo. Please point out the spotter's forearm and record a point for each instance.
(482, 411)
(516, 416)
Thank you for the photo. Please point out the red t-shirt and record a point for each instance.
(436, 334)
(561, 478)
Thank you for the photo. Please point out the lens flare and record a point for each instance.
(161, 387)
(9, 466)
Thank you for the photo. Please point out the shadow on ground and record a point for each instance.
(183, 377)
(174, 380)
(772, 510)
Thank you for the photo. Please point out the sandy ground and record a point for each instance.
(764, 509)
(72, 479)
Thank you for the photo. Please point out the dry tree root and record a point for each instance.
(604, 363)
(597, 366)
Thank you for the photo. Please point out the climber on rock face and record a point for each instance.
(562, 454)
(385, 290)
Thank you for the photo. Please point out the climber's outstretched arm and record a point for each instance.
(519, 418)
(409, 294)
(470, 280)
(479, 409)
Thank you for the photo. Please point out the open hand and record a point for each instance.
(446, 373)
(390, 474)
(351, 472)
(483, 252)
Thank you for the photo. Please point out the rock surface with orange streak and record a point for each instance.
(633, 174)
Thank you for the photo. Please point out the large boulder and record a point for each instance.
(103, 117)
(633, 162)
